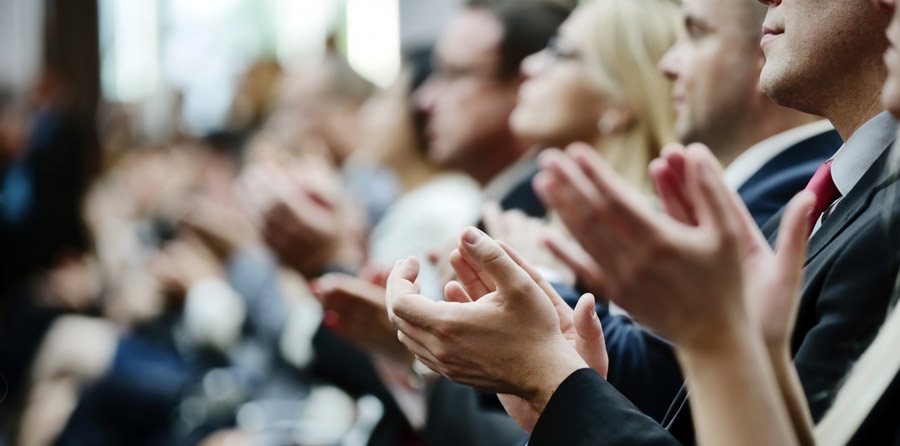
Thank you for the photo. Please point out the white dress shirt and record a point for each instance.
(857, 155)
(748, 163)
(507, 180)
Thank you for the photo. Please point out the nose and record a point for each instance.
(770, 2)
(670, 62)
(534, 64)
(425, 96)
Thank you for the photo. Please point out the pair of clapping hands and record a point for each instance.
(683, 273)
(301, 215)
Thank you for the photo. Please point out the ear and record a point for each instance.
(616, 119)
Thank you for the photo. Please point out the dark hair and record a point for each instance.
(527, 26)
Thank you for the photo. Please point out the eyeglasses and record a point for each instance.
(447, 74)
(555, 51)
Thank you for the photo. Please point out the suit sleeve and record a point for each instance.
(586, 410)
(642, 366)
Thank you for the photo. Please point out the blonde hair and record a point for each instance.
(628, 39)
(876, 368)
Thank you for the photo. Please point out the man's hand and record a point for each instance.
(356, 311)
(526, 236)
(772, 297)
(666, 273)
(501, 330)
(307, 226)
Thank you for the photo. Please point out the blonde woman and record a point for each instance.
(597, 82)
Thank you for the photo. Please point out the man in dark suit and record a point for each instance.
(850, 270)
(770, 152)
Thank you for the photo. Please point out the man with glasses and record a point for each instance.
(474, 88)
(467, 101)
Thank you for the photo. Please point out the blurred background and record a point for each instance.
(146, 149)
(156, 56)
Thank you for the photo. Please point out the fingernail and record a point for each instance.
(330, 319)
(315, 287)
(472, 236)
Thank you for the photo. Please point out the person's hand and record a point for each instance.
(223, 228)
(356, 311)
(773, 295)
(696, 259)
(667, 274)
(183, 263)
(307, 227)
(74, 284)
(508, 340)
(526, 236)
(588, 274)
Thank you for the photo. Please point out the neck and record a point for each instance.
(767, 124)
(485, 169)
(847, 120)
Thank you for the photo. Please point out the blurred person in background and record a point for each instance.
(466, 102)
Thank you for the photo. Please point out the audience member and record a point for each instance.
(847, 95)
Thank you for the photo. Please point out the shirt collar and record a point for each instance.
(861, 150)
(753, 159)
(507, 180)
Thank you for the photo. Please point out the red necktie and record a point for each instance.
(822, 185)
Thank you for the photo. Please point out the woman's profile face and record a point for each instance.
(559, 102)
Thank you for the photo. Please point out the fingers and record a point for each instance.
(455, 292)
(570, 188)
(494, 260)
(589, 342)
(709, 193)
(404, 303)
(579, 261)
(793, 236)
(473, 278)
(534, 274)
(623, 201)
(752, 237)
(669, 179)
(336, 288)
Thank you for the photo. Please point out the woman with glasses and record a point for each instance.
(597, 82)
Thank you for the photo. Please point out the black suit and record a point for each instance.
(850, 271)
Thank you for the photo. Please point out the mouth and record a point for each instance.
(770, 33)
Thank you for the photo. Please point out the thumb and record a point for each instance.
(589, 342)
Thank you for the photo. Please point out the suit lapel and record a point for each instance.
(850, 207)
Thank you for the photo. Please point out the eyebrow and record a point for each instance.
(693, 21)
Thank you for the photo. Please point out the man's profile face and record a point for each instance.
(714, 68)
(816, 48)
(466, 99)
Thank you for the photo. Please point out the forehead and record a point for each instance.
(722, 14)
(579, 22)
(472, 35)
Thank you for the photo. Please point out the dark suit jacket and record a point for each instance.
(642, 366)
(850, 271)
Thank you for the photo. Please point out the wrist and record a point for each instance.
(554, 370)
(735, 341)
